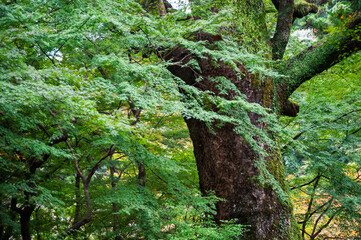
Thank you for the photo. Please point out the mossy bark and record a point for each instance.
(320, 57)
(227, 164)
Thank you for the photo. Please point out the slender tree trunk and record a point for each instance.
(142, 174)
(77, 199)
(25, 215)
(115, 208)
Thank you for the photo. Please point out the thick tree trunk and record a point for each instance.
(227, 163)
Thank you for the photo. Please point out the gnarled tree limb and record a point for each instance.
(320, 57)
(288, 11)
(303, 8)
(283, 28)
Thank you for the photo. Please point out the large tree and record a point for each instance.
(88, 86)
(227, 163)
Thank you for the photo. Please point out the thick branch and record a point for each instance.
(320, 57)
(161, 5)
(283, 28)
(290, 109)
(161, 8)
(303, 8)
(287, 13)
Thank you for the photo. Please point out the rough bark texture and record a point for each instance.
(283, 28)
(226, 163)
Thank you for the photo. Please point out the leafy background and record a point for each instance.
(84, 84)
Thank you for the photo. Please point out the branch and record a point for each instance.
(320, 57)
(87, 218)
(294, 138)
(287, 14)
(161, 8)
(333, 121)
(136, 112)
(283, 28)
(302, 9)
(142, 174)
(313, 234)
(86, 181)
(307, 214)
(44, 129)
(47, 55)
(95, 167)
(316, 178)
(318, 209)
(345, 114)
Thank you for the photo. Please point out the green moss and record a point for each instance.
(268, 92)
(251, 27)
(303, 8)
(295, 232)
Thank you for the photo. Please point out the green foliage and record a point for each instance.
(91, 120)
(331, 16)
(79, 80)
(324, 158)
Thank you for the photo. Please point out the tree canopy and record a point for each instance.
(127, 119)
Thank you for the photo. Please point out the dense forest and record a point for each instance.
(199, 119)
